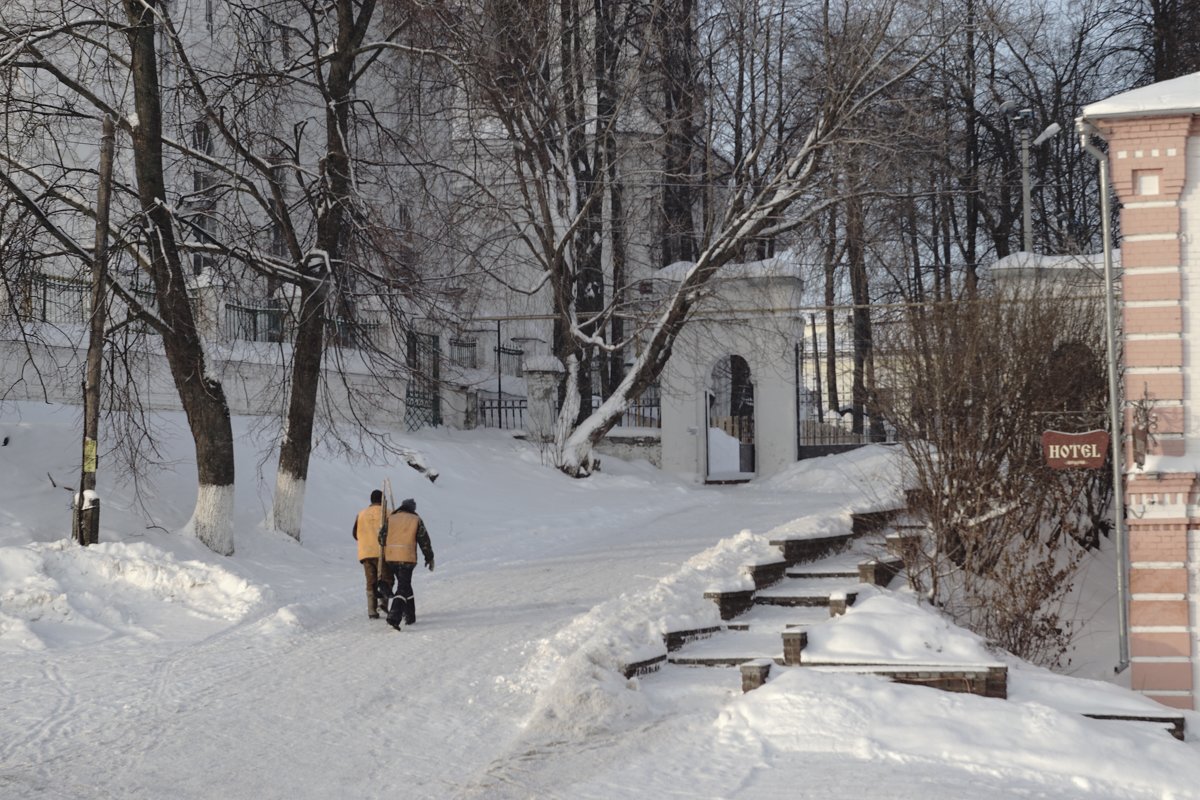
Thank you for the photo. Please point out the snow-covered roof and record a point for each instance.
(542, 364)
(1082, 261)
(784, 265)
(1063, 270)
(1178, 95)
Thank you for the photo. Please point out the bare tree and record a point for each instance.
(1163, 36)
(312, 179)
(1005, 533)
(55, 50)
(841, 71)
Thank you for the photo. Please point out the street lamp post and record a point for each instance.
(1026, 212)
(1022, 118)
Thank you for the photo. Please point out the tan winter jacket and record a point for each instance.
(366, 531)
(401, 543)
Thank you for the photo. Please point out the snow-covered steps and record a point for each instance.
(985, 680)
(800, 549)
(812, 548)
(809, 592)
(1176, 725)
(762, 632)
(766, 574)
(778, 618)
(842, 565)
(730, 650)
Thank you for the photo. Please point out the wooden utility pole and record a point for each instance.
(87, 506)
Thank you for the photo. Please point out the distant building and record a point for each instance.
(1066, 273)
(1153, 136)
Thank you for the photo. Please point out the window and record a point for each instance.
(204, 182)
(204, 230)
(1146, 181)
(462, 353)
(202, 138)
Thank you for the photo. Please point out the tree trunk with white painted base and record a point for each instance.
(201, 394)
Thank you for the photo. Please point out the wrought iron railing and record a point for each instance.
(463, 352)
(255, 323)
(510, 360)
(506, 413)
(56, 300)
(645, 411)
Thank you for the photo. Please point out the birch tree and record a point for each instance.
(853, 56)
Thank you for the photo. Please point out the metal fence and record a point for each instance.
(352, 334)
(463, 352)
(821, 430)
(509, 359)
(57, 300)
(254, 323)
(507, 413)
(423, 401)
(645, 411)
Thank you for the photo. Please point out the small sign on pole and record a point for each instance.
(1074, 450)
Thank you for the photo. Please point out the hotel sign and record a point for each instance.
(1075, 450)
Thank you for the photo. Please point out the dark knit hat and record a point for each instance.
(409, 505)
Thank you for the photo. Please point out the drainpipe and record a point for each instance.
(1086, 131)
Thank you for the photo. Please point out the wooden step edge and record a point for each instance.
(978, 679)
(1176, 725)
(677, 639)
(811, 600)
(644, 667)
(863, 522)
(742, 627)
(715, 661)
(733, 602)
(766, 574)
(840, 574)
(821, 538)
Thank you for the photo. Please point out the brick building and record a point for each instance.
(1153, 136)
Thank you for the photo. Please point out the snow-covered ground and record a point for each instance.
(147, 667)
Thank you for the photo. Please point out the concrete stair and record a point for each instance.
(765, 629)
(817, 577)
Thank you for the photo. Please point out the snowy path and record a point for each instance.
(148, 668)
(338, 706)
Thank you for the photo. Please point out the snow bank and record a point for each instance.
(805, 711)
(895, 627)
(580, 667)
(59, 594)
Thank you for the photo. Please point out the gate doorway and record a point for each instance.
(729, 450)
(422, 398)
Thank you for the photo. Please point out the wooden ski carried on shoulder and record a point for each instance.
(383, 582)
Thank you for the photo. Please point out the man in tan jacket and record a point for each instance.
(367, 527)
(405, 533)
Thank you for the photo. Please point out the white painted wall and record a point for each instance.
(52, 372)
(751, 317)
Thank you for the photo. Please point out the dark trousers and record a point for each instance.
(402, 607)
